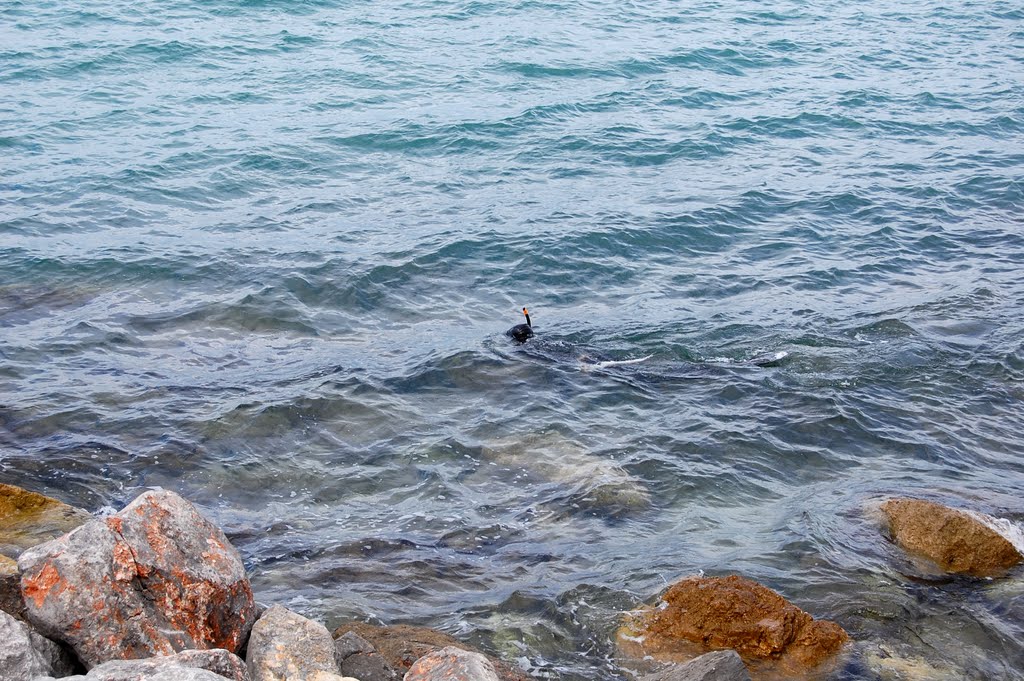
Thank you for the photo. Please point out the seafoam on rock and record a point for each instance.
(154, 579)
(1009, 530)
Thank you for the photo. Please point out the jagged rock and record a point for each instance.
(957, 541)
(11, 601)
(25, 654)
(153, 579)
(452, 664)
(285, 646)
(730, 612)
(721, 665)
(357, 657)
(401, 645)
(28, 519)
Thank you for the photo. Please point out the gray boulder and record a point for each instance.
(190, 665)
(356, 657)
(721, 665)
(218, 661)
(24, 654)
(452, 664)
(285, 646)
(154, 579)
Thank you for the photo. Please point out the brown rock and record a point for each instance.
(153, 579)
(729, 612)
(953, 539)
(401, 645)
(28, 518)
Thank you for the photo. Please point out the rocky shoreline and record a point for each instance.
(156, 591)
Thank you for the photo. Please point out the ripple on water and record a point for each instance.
(263, 253)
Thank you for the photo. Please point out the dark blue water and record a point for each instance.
(263, 253)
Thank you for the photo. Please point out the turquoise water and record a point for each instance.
(263, 253)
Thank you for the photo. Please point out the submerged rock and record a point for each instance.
(401, 645)
(452, 664)
(285, 646)
(721, 665)
(957, 541)
(25, 654)
(153, 579)
(700, 613)
(592, 483)
(889, 664)
(28, 519)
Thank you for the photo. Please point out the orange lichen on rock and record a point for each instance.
(730, 612)
(39, 586)
(954, 540)
(137, 584)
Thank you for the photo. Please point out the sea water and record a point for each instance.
(263, 253)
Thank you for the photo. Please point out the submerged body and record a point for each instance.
(589, 360)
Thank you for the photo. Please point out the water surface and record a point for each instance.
(263, 252)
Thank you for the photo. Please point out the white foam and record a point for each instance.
(1008, 529)
(616, 362)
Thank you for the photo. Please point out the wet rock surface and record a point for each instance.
(285, 646)
(153, 579)
(721, 665)
(28, 518)
(402, 645)
(452, 664)
(957, 541)
(25, 654)
(702, 613)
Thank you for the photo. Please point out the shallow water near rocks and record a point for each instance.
(263, 253)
